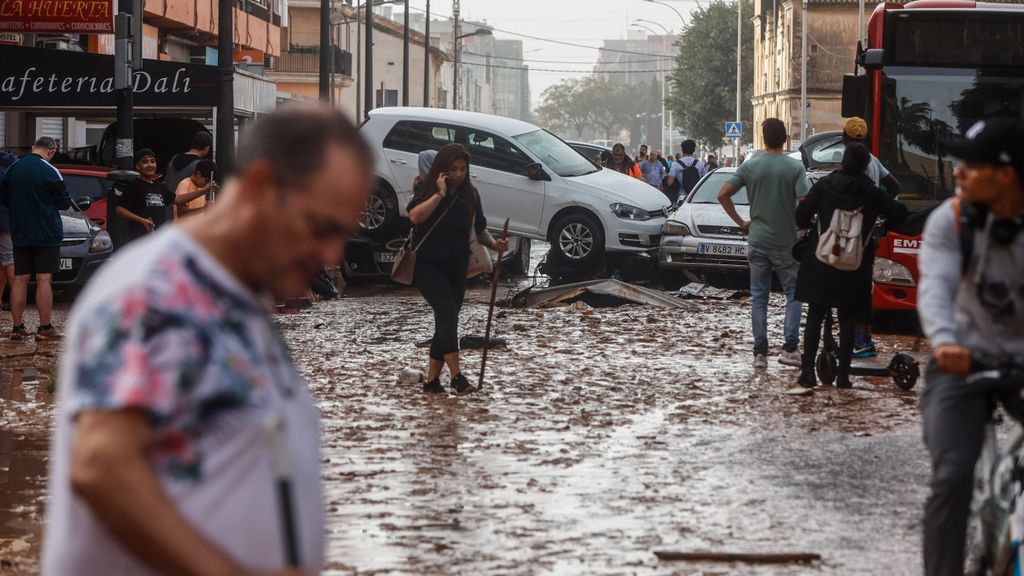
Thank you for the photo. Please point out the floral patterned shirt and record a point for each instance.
(166, 330)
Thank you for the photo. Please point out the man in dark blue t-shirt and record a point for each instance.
(34, 192)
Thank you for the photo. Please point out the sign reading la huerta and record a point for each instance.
(36, 77)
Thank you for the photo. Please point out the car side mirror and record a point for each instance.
(536, 172)
(872, 59)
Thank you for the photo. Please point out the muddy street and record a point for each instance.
(601, 436)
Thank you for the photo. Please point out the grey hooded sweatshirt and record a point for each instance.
(983, 312)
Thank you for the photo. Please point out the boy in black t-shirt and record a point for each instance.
(145, 201)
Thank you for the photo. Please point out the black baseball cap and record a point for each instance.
(997, 141)
(142, 153)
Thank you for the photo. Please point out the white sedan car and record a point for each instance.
(547, 190)
(699, 236)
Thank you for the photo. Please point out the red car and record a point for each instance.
(88, 182)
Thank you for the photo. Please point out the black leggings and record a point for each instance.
(812, 335)
(443, 285)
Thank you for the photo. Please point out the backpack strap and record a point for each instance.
(964, 218)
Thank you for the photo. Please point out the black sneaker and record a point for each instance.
(461, 386)
(807, 379)
(19, 333)
(434, 387)
(843, 381)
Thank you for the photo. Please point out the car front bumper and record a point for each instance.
(633, 236)
(678, 252)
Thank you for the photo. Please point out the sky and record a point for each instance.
(586, 22)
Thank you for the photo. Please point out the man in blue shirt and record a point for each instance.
(653, 170)
(34, 192)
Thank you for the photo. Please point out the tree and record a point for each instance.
(564, 110)
(704, 79)
(612, 105)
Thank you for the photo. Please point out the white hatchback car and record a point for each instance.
(546, 190)
(700, 236)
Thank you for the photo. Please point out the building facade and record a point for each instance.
(511, 81)
(831, 46)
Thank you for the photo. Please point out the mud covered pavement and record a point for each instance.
(601, 436)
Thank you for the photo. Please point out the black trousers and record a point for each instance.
(443, 285)
(812, 335)
(954, 415)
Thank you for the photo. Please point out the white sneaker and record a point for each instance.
(791, 359)
(760, 362)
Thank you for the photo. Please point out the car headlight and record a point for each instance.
(888, 272)
(101, 243)
(675, 229)
(627, 212)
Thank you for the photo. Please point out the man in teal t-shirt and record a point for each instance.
(774, 182)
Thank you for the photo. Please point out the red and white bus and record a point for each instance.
(934, 68)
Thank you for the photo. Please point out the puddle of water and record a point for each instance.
(23, 461)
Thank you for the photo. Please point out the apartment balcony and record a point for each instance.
(305, 61)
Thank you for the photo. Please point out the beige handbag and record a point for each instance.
(479, 257)
(404, 268)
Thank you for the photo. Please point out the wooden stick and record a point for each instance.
(781, 558)
(490, 310)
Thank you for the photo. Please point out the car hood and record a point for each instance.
(614, 187)
(694, 215)
(77, 225)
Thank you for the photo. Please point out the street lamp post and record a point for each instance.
(325, 53)
(670, 7)
(426, 59)
(368, 67)
(803, 74)
(405, 57)
(739, 77)
(671, 122)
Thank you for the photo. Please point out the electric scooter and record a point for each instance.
(903, 368)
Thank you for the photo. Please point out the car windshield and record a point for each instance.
(556, 154)
(707, 191)
(80, 187)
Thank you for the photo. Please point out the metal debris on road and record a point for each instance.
(595, 293)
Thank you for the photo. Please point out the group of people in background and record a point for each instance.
(674, 176)
(781, 203)
(188, 184)
(33, 192)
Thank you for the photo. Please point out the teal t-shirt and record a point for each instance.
(774, 184)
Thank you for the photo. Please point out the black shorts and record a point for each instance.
(36, 260)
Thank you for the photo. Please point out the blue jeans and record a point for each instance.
(762, 263)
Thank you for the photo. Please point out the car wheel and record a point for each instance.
(380, 216)
(520, 264)
(577, 241)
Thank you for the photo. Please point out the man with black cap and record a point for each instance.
(970, 301)
(146, 200)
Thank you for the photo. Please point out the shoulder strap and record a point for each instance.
(427, 235)
(964, 222)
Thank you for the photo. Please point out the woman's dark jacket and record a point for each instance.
(450, 239)
(819, 283)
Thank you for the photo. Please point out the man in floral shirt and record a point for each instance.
(162, 462)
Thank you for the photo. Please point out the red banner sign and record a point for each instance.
(57, 16)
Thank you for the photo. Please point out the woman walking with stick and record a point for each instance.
(446, 210)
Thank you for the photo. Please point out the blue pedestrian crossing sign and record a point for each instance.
(734, 129)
